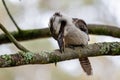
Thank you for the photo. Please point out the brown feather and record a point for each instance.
(81, 25)
(85, 64)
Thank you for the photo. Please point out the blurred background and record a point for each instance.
(31, 14)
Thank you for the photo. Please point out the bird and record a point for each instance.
(70, 32)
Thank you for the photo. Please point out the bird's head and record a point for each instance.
(58, 22)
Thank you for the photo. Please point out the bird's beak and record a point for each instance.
(61, 42)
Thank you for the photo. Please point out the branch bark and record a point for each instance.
(13, 40)
(45, 57)
(43, 33)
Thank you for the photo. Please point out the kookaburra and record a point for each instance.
(70, 32)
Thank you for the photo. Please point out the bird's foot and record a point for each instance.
(80, 45)
(73, 46)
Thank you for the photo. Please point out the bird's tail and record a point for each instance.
(85, 64)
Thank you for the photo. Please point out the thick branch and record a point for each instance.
(26, 35)
(44, 57)
(108, 30)
(42, 33)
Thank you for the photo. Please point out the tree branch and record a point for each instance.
(44, 57)
(43, 33)
(108, 30)
(12, 39)
(26, 35)
(3, 1)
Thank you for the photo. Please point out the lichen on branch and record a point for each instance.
(46, 57)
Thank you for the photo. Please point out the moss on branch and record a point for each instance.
(46, 57)
(42, 33)
(104, 30)
(26, 35)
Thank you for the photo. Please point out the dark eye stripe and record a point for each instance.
(51, 22)
(63, 23)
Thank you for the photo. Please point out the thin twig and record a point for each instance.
(11, 16)
(12, 39)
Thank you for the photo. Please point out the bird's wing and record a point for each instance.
(79, 23)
